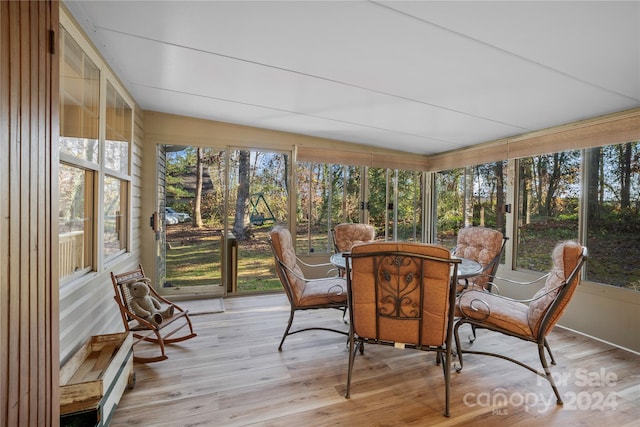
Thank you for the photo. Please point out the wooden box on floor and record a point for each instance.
(94, 379)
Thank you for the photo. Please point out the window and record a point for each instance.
(116, 161)
(87, 160)
(75, 219)
(79, 109)
(328, 194)
(592, 196)
(408, 202)
(115, 215)
(79, 125)
(116, 147)
(470, 196)
(314, 186)
(548, 206)
(613, 214)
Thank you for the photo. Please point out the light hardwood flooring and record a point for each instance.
(232, 374)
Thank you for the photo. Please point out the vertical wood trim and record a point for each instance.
(4, 211)
(28, 164)
(51, 165)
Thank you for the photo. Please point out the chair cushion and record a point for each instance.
(346, 235)
(324, 291)
(565, 257)
(411, 326)
(305, 292)
(283, 246)
(505, 314)
(479, 244)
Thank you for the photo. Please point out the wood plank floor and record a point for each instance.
(233, 375)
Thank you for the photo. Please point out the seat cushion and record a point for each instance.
(304, 292)
(324, 291)
(509, 315)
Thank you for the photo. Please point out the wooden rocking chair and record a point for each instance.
(142, 329)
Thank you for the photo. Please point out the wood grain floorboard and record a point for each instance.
(233, 375)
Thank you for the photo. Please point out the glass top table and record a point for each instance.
(466, 269)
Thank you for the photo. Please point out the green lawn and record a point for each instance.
(194, 257)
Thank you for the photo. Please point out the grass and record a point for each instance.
(194, 257)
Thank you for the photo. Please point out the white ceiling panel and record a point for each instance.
(562, 35)
(420, 76)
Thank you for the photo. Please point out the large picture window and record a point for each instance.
(328, 194)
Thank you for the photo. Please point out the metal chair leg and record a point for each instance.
(286, 331)
(458, 347)
(547, 371)
(546, 344)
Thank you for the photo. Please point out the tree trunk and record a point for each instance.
(197, 214)
(594, 156)
(625, 176)
(240, 222)
(500, 202)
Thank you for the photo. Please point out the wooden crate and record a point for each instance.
(94, 379)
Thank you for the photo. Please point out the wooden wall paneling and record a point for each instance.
(4, 210)
(28, 75)
(13, 369)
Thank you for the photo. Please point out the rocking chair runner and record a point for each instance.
(142, 329)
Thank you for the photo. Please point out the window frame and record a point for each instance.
(101, 261)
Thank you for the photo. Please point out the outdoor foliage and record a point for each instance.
(550, 193)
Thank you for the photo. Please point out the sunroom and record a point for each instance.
(552, 155)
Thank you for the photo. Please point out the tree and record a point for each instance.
(197, 215)
(594, 179)
(500, 202)
(240, 221)
(624, 152)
